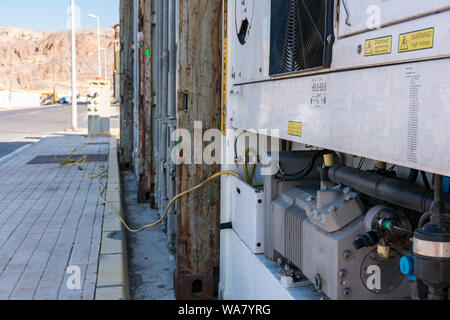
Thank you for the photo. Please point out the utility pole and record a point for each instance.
(106, 62)
(74, 68)
(93, 16)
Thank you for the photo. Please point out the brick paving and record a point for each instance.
(50, 220)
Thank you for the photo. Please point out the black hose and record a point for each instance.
(395, 191)
(425, 180)
(305, 171)
(413, 175)
(423, 220)
(437, 188)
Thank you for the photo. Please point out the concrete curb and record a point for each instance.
(112, 278)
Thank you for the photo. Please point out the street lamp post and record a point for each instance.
(74, 68)
(98, 43)
(106, 63)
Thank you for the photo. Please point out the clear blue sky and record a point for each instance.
(51, 15)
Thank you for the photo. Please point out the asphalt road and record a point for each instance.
(19, 127)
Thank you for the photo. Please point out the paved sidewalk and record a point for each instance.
(50, 219)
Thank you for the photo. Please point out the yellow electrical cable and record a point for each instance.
(103, 175)
(69, 161)
(252, 175)
(95, 175)
(288, 145)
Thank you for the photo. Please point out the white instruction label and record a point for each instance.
(318, 93)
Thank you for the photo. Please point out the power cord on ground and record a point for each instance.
(70, 161)
(103, 174)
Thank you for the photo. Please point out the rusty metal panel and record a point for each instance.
(199, 81)
(126, 82)
(141, 105)
(146, 177)
(136, 97)
(149, 173)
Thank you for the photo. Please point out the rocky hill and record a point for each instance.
(37, 60)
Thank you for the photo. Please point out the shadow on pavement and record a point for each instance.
(9, 147)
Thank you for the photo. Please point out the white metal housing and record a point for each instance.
(396, 112)
(392, 107)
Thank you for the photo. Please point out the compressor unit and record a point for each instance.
(360, 92)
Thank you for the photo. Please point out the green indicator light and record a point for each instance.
(147, 52)
(139, 45)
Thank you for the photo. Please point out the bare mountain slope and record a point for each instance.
(37, 60)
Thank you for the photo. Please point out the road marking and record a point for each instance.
(40, 108)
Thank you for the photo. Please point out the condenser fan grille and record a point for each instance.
(299, 30)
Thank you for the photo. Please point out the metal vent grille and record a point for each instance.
(299, 30)
(294, 219)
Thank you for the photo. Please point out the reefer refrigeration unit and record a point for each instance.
(357, 94)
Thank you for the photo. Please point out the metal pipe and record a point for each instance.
(391, 190)
(154, 113)
(158, 64)
(137, 124)
(172, 116)
(93, 16)
(106, 62)
(164, 112)
(165, 64)
(74, 67)
(172, 110)
(437, 188)
(98, 49)
(437, 207)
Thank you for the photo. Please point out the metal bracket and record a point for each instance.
(347, 21)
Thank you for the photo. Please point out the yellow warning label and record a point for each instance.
(295, 128)
(417, 40)
(378, 46)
